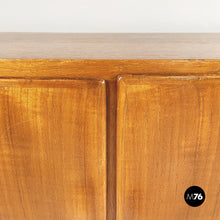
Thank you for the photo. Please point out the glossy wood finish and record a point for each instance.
(95, 56)
(167, 140)
(109, 46)
(52, 149)
(103, 69)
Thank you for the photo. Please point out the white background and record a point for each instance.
(110, 16)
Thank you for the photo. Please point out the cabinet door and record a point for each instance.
(168, 139)
(52, 149)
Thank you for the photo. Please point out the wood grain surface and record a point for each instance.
(168, 139)
(109, 46)
(103, 69)
(52, 149)
(36, 84)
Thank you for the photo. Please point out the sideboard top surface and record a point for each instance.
(109, 46)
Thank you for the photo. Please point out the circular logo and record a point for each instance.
(194, 196)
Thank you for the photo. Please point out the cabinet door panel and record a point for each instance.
(52, 149)
(168, 139)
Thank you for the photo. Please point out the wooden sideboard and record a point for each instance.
(109, 126)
